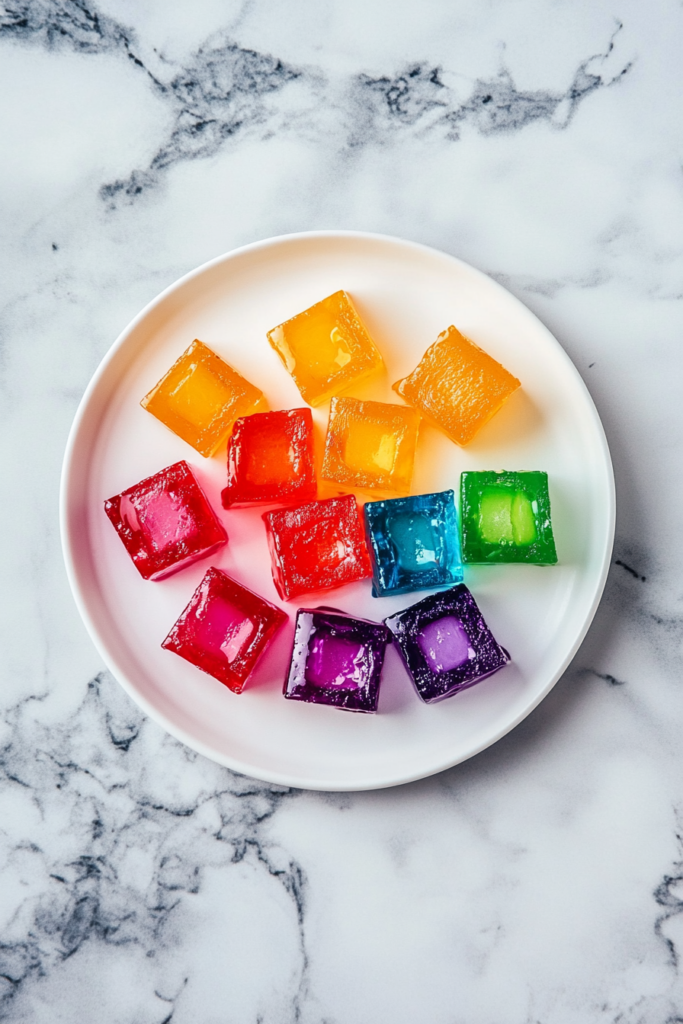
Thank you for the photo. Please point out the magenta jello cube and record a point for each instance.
(225, 629)
(271, 459)
(165, 522)
(317, 546)
(336, 660)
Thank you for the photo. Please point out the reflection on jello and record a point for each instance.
(444, 644)
(417, 542)
(506, 517)
(334, 661)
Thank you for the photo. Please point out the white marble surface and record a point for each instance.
(541, 882)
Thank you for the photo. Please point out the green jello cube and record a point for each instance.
(506, 518)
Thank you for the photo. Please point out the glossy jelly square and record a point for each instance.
(506, 518)
(336, 660)
(165, 522)
(225, 629)
(445, 643)
(326, 348)
(317, 546)
(200, 398)
(414, 543)
(271, 459)
(370, 445)
(457, 385)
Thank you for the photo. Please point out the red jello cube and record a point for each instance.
(225, 629)
(270, 459)
(165, 522)
(317, 546)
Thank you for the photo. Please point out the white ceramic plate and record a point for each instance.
(406, 294)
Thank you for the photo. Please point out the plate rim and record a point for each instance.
(110, 661)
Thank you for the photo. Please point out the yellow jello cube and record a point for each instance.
(326, 348)
(457, 385)
(201, 397)
(371, 445)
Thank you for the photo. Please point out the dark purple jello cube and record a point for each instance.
(445, 643)
(336, 660)
(165, 522)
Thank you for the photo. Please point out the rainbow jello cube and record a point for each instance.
(165, 522)
(271, 459)
(445, 644)
(370, 445)
(414, 543)
(200, 398)
(225, 629)
(316, 546)
(326, 348)
(457, 386)
(336, 660)
(506, 518)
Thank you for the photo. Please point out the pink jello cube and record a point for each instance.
(225, 629)
(165, 522)
(271, 459)
(317, 546)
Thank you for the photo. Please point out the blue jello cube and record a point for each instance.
(445, 644)
(336, 660)
(414, 543)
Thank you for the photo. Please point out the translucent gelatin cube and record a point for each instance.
(414, 543)
(165, 522)
(317, 546)
(326, 348)
(370, 445)
(225, 629)
(201, 397)
(506, 518)
(271, 459)
(457, 385)
(336, 660)
(445, 643)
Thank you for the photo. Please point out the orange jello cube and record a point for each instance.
(326, 348)
(201, 397)
(371, 445)
(457, 385)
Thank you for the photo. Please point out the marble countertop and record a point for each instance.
(540, 882)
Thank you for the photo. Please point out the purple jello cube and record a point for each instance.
(445, 643)
(225, 629)
(336, 660)
(165, 522)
